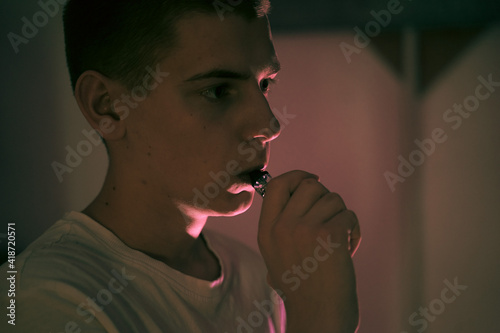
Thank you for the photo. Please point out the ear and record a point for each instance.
(95, 94)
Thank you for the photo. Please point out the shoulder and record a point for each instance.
(57, 273)
(70, 250)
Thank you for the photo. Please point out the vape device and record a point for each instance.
(259, 180)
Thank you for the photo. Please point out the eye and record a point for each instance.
(265, 85)
(216, 93)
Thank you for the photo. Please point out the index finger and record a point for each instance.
(278, 193)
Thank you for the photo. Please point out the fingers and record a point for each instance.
(278, 194)
(308, 192)
(297, 199)
(307, 237)
(345, 230)
(329, 205)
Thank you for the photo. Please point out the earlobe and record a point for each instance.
(95, 94)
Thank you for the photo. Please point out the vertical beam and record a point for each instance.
(412, 265)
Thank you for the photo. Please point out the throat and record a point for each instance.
(201, 264)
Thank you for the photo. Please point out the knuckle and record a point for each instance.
(333, 201)
(351, 215)
(336, 200)
(300, 173)
(308, 181)
(332, 197)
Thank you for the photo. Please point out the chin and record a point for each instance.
(232, 204)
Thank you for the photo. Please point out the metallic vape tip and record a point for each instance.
(259, 180)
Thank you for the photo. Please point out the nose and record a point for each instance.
(262, 125)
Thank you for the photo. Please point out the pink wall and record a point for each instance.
(461, 193)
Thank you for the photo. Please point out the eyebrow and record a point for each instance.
(219, 73)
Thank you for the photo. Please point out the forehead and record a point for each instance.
(205, 42)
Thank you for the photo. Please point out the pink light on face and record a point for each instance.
(237, 188)
(217, 282)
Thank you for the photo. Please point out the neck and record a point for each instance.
(153, 225)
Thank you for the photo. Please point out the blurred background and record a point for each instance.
(388, 101)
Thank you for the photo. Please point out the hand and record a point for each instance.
(307, 237)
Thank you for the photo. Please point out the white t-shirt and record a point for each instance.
(79, 277)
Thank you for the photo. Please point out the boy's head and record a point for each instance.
(205, 122)
(119, 38)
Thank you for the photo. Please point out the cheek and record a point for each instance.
(186, 140)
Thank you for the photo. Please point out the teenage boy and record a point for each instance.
(178, 91)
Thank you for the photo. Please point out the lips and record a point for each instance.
(245, 175)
